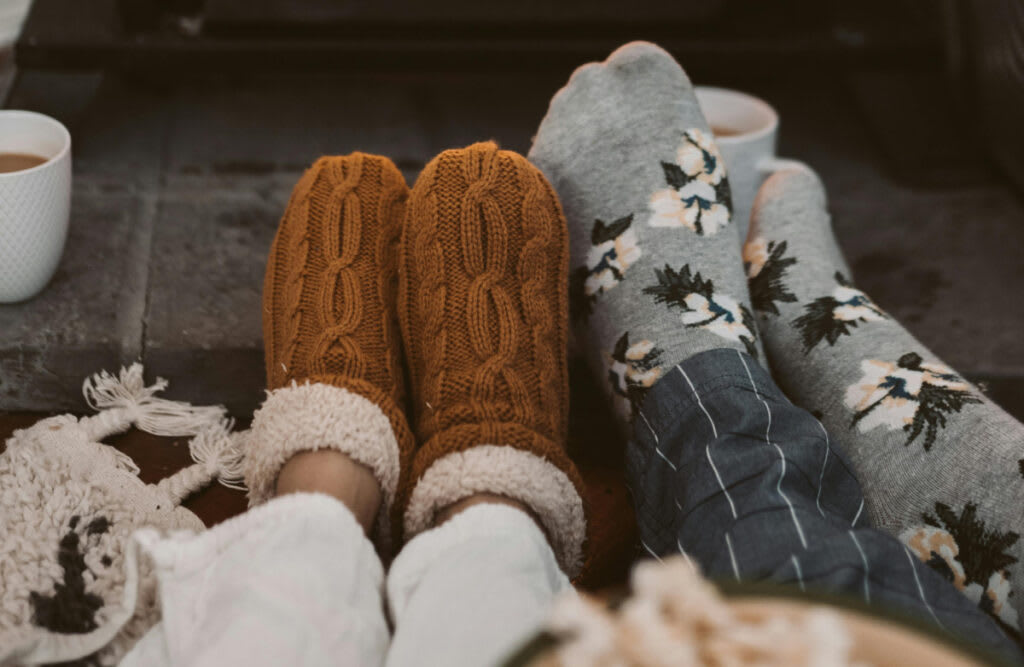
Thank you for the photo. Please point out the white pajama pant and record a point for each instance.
(295, 582)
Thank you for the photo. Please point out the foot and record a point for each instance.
(655, 267)
(483, 310)
(480, 499)
(330, 331)
(332, 473)
(939, 464)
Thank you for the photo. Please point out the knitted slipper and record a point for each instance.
(483, 310)
(330, 337)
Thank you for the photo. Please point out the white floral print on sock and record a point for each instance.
(970, 555)
(614, 248)
(829, 317)
(702, 307)
(907, 395)
(766, 266)
(698, 194)
(632, 370)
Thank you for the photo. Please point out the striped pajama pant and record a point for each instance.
(725, 470)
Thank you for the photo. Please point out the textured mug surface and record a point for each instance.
(34, 203)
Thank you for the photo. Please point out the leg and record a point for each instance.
(483, 311)
(473, 589)
(298, 573)
(940, 463)
(332, 473)
(330, 330)
(727, 471)
(655, 271)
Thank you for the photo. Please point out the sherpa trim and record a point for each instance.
(310, 417)
(504, 471)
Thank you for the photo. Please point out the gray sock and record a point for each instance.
(655, 274)
(941, 466)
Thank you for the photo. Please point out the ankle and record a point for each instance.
(450, 511)
(335, 474)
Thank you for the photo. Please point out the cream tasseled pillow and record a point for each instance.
(72, 581)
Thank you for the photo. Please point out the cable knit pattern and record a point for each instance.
(483, 310)
(534, 266)
(338, 293)
(329, 300)
(391, 207)
(430, 297)
(298, 248)
(485, 257)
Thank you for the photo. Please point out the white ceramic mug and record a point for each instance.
(746, 129)
(34, 203)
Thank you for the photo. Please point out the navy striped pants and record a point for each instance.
(725, 470)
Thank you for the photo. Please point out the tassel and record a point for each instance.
(125, 399)
(217, 453)
(222, 449)
(159, 416)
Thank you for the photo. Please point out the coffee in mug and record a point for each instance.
(721, 131)
(19, 161)
(35, 201)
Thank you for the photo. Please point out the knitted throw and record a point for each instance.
(73, 583)
(676, 618)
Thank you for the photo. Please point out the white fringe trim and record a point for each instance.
(220, 450)
(505, 471)
(140, 405)
(124, 399)
(218, 453)
(309, 417)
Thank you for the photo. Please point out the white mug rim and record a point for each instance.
(769, 128)
(53, 122)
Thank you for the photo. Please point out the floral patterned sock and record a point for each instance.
(940, 465)
(655, 273)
